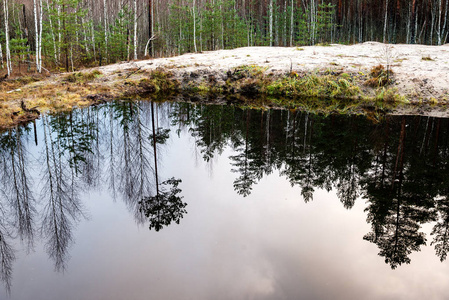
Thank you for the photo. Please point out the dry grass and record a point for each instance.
(52, 94)
(379, 76)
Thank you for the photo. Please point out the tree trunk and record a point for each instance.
(36, 31)
(8, 53)
(271, 23)
(52, 32)
(135, 29)
(59, 32)
(385, 21)
(105, 20)
(292, 23)
(194, 27)
(154, 147)
(65, 41)
(1, 55)
(444, 29)
(312, 21)
(440, 11)
(413, 23)
(40, 36)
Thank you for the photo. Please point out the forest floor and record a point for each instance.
(417, 80)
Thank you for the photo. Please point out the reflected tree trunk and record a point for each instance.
(7, 257)
(62, 209)
(154, 148)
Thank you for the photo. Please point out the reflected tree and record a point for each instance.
(399, 236)
(91, 168)
(166, 206)
(17, 203)
(441, 229)
(75, 136)
(17, 184)
(396, 215)
(130, 156)
(299, 167)
(245, 163)
(7, 256)
(212, 126)
(62, 206)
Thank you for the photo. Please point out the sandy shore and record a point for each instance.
(421, 75)
(420, 72)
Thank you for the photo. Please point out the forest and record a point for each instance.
(43, 35)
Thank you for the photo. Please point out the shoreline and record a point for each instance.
(268, 76)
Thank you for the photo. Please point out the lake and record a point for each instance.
(142, 200)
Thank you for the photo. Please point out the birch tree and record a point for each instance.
(292, 14)
(40, 36)
(135, 29)
(105, 22)
(194, 26)
(442, 21)
(1, 55)
(8, 52)
(385, 21)
(271, 22)
(36, 33)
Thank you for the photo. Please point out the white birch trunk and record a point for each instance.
(36, 29)
(201, 33)
(40, 36)
(222, 29)
(92, 38)
(1, 55)
(271, 22)
(312, 21)
(105, 16)
(284, 34)
(152, 22)
(292, 23)
(432, 22)
(385, 21)
(416, 25)
(408, 23)
(440, 8)
(71, 57)
(444, 30)
(8, 53)
(135, 29)
(86, 47)
(194, 27)
(59, 33)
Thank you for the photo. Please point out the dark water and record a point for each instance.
(174, 201)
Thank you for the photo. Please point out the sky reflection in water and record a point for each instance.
(272, 205)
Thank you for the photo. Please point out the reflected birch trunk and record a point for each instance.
(7, 257)
(17, 186)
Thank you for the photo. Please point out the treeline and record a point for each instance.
(67, 34)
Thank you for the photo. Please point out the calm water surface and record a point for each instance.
(174, 201)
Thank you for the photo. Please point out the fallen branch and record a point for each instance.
(129, 75)
(41, 66)
(16, 90)
(148, 43)
(29, 110)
